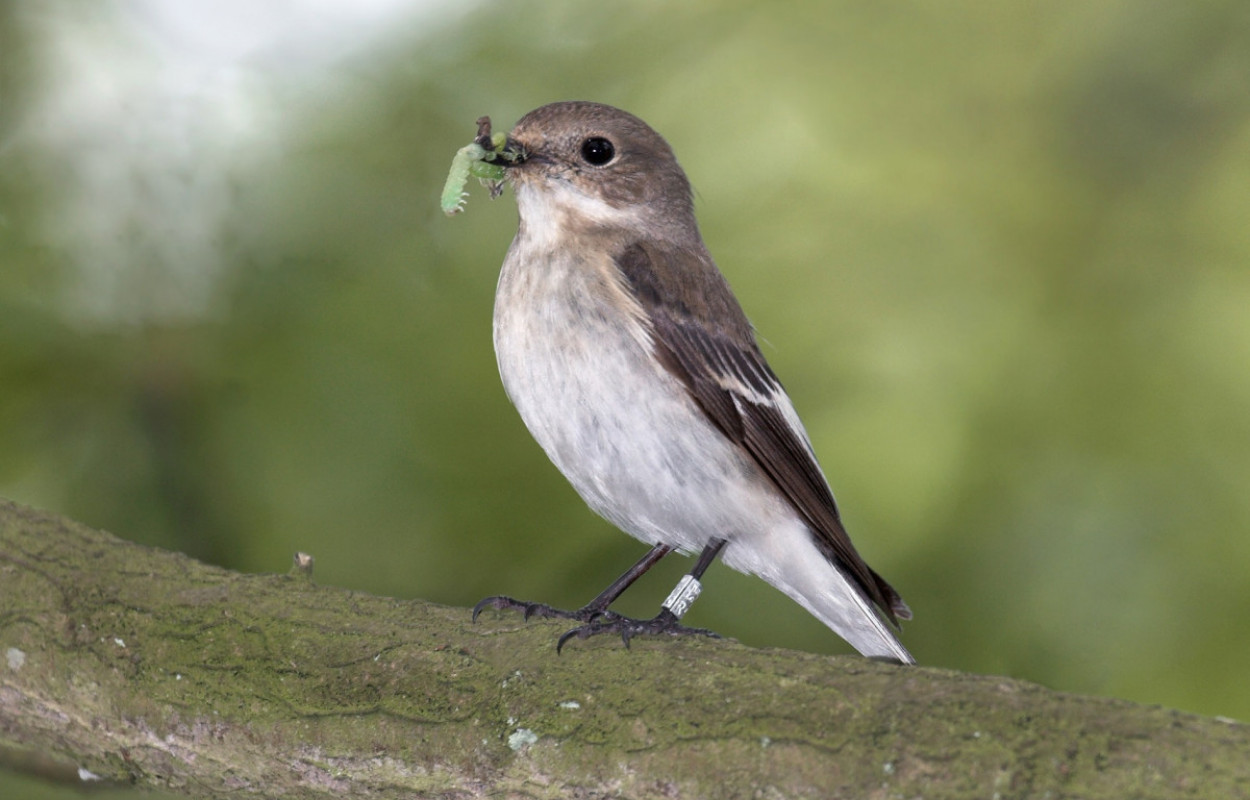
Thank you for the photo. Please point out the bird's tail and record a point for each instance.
(803, 573)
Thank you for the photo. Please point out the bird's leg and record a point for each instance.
(593, 610)
(671, 610)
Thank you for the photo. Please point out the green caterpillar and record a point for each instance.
(475, 160)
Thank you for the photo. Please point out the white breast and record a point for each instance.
(619, 427)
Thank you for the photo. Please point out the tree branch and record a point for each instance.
(147, 667)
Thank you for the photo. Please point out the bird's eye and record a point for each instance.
(597, 151)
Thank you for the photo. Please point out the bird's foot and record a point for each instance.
(666, 622)
(587, 614)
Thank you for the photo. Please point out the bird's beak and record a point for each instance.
(512, 154)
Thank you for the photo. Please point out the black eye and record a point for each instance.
(597, 151)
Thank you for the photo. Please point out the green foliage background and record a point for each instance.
(997, 253)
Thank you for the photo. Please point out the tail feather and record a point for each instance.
(897, 607)
(794, 565)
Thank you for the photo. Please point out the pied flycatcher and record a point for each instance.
(632, 364)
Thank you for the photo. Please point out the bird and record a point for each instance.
(631, 362)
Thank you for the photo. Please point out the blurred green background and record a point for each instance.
(997, 253)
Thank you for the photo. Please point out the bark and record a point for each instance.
(145, 667)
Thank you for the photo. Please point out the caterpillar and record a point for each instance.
(474, 160)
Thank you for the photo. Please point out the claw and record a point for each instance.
(595, 620)
(564, 638)
(663, 623)
(528, 610)
(587, 614)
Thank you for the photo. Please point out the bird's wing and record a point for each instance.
(703, 338)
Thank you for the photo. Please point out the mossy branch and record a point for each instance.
(145, 667)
